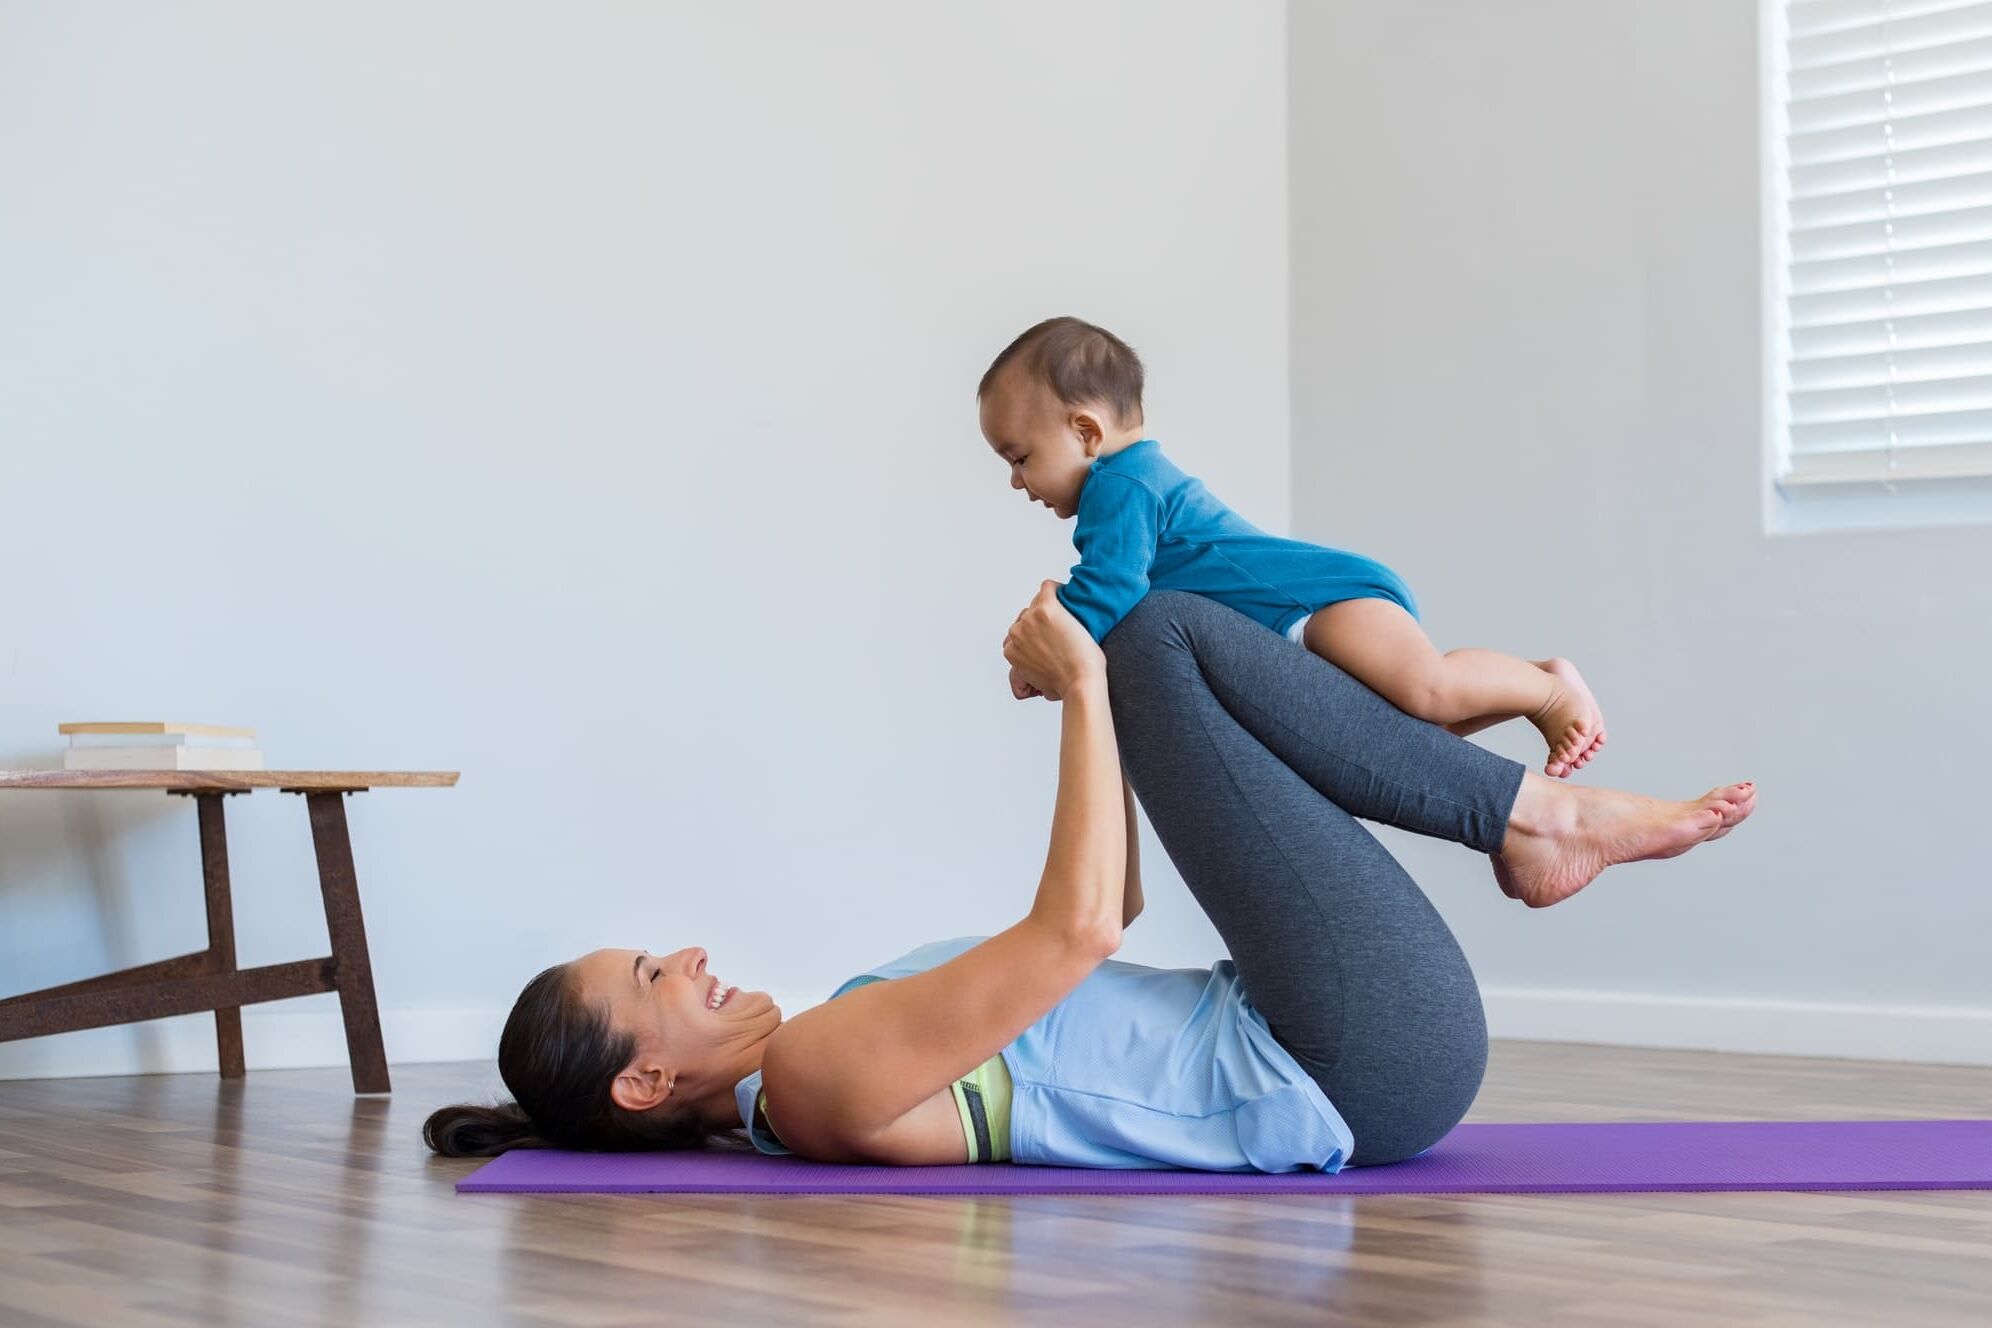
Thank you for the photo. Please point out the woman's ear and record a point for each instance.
(639, 1088)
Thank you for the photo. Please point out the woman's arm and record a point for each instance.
(1085, 869)
(845, 1072)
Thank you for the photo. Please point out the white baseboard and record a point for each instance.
(1953, 1035)
(294, 1037)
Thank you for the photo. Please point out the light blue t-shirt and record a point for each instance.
(1144, 1067)
(1143, 523)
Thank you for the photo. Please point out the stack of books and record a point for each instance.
(147, 745)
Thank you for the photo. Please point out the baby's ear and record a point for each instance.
(1090, 433)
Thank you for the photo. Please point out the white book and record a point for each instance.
(154, 726)
(161, 758)
(204, 740)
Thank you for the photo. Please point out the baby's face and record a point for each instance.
(1044, 441)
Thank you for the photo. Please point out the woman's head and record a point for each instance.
(619, 1049)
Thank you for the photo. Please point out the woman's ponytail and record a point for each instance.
(474, 1131)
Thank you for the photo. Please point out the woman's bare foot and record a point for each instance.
(1741, 800)
(1570, 721)
(1564, 836)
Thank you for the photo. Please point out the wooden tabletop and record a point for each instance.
(227, 781)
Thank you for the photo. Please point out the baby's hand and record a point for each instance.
(1020, 689)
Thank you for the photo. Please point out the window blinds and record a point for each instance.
(1888, 240)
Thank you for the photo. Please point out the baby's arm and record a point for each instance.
(1120, 523)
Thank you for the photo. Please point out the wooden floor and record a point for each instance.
(182, 1200)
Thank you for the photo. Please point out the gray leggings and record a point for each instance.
(1253, 758)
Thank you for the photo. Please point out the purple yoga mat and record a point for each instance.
(1473, 1159)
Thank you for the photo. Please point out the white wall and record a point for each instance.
(1526, 359)
(580, 397)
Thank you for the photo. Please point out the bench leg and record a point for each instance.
(221, 928)
(341, 889)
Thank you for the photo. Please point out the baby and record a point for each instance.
(1062, 406)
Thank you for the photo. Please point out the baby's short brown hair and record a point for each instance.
(1082, 365)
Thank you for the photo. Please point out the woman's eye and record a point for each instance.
(656, 975)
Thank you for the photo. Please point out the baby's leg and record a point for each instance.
(1564, 669)
(1381, 645)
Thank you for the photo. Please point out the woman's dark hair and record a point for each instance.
(1083, 365)
(559, 1057)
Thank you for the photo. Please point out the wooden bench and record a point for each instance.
(208, 979)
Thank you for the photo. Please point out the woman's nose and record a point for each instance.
(1016, 480)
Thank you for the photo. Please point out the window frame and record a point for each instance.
(1816, 505)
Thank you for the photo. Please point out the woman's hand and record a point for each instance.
(1049, 650)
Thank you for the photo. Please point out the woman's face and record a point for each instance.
(667, 1003)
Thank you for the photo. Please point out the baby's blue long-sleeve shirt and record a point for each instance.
(1143, 524)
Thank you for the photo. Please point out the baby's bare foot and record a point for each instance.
(1570, 720)
(1588, 830)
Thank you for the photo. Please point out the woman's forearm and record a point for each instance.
(1083, 890)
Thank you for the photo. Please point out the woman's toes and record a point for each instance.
(1737, 801)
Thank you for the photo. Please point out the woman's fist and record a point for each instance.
(1049, 650)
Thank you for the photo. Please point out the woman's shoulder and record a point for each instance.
(822, 1068)
(792, 1077)
(812, 1084)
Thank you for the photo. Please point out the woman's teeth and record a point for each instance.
(719, 997)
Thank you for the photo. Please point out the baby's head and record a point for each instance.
(1059, 396)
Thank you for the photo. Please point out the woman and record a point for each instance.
(1346, 1028)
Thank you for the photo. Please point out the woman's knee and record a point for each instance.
(1166, 619)
(1147, 635)
(1154, 614)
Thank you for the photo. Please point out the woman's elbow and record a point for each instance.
(1098, 939)
(1094, 937)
